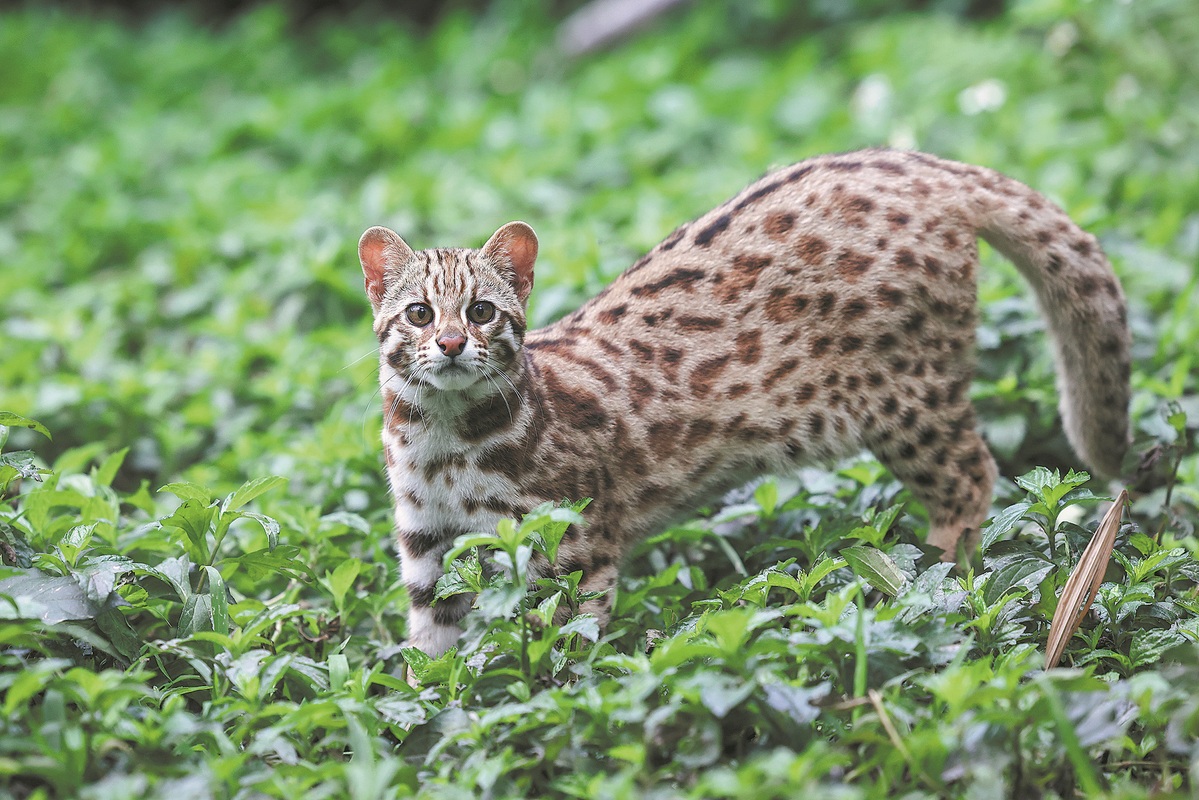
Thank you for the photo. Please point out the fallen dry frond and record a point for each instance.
(1079, 592)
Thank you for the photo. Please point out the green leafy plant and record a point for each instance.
(180, 306)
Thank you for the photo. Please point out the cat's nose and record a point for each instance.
(451, 343)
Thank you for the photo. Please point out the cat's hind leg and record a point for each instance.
(945, 464)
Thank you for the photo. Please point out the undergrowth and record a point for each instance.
(199, 596)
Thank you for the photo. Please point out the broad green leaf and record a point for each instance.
(500, 602)
(107, 471)
(777, 579)
(51, 599)
(219, 602)
(1038, 480)
(868, 535)
(468, 541)
(509, 534)
(20, 463)
(250, 490)
(194, 519)
(11, 420)
(269, 526)
(585, 625)
(417, 661)
(463, 575)
(550, 522)
(679, 649)
(1160, 560)
(719, 693)
(758, 585)
(78, 537)
(339, 670)
(351, 521)
(268, 617)
(430, 670)
(266, 564)
(196, 615)
(40, 503)
(876, 567)
(188, 492)
(821, 569)
(1149, 645)
(1002, 524)
(29, 683)
(767, 496)
(341, 579)
(1014, 566)
(245, 672)
(1049, 486)
(125, 640)
(176, 572)
(882, 520)
(399, 710)
(98, 576)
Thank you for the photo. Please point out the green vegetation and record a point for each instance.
(182, 310)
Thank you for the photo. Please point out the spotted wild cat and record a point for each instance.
(828, 308)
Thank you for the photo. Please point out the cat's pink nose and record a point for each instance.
(451, 343)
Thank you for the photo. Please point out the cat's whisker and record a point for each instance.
(499, 389)
(400, 397)
(366, 408)
(375, 351)
(416, 404)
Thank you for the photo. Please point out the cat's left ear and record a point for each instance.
(514, 247)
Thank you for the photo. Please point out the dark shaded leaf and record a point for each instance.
(797, 702)
(1013, 566)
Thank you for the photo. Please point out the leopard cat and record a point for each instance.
(828, 308)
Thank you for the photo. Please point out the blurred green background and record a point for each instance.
(181, 190)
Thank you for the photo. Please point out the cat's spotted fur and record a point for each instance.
(829, 307)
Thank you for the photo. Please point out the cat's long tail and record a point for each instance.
(1079, 295)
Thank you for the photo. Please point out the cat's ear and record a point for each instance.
(514, 247)
(380, 249)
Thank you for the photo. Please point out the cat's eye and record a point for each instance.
(481, 312)
(419, 314)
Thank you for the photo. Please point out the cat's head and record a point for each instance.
(450, 319)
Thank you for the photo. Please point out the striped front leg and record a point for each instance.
(432, 625)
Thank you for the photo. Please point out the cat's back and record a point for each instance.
(839, 236)
(854, 256)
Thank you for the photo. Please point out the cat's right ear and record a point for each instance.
(380, 249)
(513, 248)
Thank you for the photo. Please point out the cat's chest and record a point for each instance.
(438, 485)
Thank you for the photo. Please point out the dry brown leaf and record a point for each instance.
(1079, 592)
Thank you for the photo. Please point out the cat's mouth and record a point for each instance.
(452, 376)
(456, 368)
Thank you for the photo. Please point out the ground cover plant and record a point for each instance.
(200, 597)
